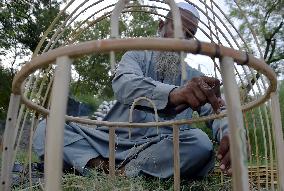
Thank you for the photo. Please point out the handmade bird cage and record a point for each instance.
(218, 40)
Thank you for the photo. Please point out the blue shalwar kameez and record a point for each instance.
(148, 151)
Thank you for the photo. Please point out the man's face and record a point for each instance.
(168, 63)
(189, 23)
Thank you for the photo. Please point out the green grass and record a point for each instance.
(102, 182)
(23, 157)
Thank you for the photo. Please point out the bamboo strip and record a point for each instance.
(211, 39)
(115, 17)
(112, 152)
(275, 150)
(8, 142)
(249, 146)
(270, 147)
(256, 149)
(264, 143)
(55, 125)
(34, 123)
(135, 102)
(214, 19)
(276, 121)
(237, 132)
(176, 158)
(263, 130)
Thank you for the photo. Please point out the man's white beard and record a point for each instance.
(168, 66)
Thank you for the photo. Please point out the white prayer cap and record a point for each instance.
(189, 7)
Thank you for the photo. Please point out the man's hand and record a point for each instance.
(224, 155)
(195, 93)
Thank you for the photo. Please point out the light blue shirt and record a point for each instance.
(136, 77)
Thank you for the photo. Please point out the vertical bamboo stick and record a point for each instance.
(222, 174)
(276, 124)
(112, 62)
(176, 158)
(112, 152)
(18, 141)
(8, 142)
(237, 132)
(249, 149)
(276, 177)
(55, 124)
(256, 150)
(32, 127)
(183, 66)
(271, 159)
(264, 142)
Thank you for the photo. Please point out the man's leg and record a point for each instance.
(78, 154)
(77, 150)
(196, 157)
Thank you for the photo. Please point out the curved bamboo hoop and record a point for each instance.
(135, 102)
(152, 44)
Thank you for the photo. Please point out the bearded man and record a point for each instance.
(157, 76)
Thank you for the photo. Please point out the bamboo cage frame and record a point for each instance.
(26, 81)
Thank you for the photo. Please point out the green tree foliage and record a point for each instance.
(22, 24)
(266, 18)
(141, 24)
(94, 71)
(93, 77)
(5, 89)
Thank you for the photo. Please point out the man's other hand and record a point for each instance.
(224, 155)
(195, 93)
